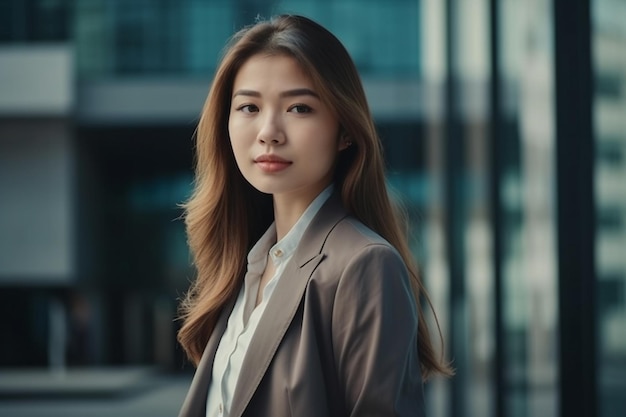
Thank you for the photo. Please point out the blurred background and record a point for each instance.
(504, 126)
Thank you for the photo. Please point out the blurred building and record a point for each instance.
(98, 105)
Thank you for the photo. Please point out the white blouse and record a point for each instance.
(245, 316)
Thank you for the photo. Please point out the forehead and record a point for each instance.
(263, 71)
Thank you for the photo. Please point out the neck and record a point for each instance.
(288, 208)
(286, 214)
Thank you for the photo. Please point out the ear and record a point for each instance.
(344, 142)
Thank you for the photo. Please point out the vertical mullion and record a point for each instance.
(575, 207)
(495, 176)
(455, 213)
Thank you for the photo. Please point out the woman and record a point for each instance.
(306, 301)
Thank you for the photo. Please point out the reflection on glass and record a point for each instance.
(609, 67)
(527, 189)
(472, 40)
(119, 37)
(434, 255)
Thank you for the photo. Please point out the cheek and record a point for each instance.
(240, 131)
(326, 149)
(231, 129)
(236, 146)
(234, 135)
(238, 150)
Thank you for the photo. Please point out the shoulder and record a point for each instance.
(355, 255)
(350, 238)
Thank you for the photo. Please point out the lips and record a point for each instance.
(272, 163)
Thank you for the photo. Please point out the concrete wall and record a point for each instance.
(36, 202)
(36, 165)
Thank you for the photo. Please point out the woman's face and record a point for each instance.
(285, 140)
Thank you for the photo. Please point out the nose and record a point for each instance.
(271, 132)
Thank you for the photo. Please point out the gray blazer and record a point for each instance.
(338, 338)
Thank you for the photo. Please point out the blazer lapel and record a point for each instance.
(195, 402)
(278, 315)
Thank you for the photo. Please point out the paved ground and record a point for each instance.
(143, 392)
(128, 393)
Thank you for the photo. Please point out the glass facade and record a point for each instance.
(528, 225)
(38, 21)
(465, 100)
(117, 37)
(609, 105)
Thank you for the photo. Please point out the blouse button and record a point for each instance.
(220, 408)
(278, 253)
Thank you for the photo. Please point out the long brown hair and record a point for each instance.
(225, 215)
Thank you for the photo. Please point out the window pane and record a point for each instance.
(472, 74)
(609, 66)
(528, 224)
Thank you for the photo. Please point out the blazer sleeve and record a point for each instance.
(374, 330)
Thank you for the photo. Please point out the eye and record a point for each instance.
(248, 108)
(300, 108)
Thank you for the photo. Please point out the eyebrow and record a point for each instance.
(289, 93)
